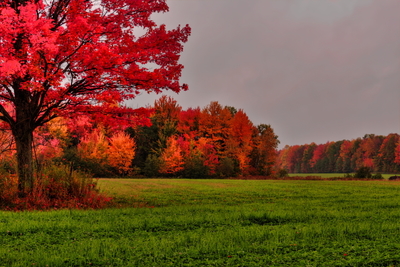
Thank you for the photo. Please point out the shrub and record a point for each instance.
(282, 173)
(57, 186)
(363, 172)
(377, 176)
(93, 166)
(8, 185)
(348, 175)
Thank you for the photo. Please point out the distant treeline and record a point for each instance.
(377, 152)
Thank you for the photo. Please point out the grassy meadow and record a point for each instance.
(181, 222)
(332, 175)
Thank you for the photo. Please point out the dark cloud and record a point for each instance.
(315, 70)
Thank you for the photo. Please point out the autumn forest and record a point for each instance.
(376, 152)
(215, 141)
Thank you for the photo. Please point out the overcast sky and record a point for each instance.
(316, 70)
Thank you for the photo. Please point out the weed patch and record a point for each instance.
(56, 187)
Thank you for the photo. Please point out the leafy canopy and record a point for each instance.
(58, 56)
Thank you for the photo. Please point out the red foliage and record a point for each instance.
(214, 124)
(166, 109)
(189, 122)
(292, 156)
(397, 154)
(214, 133)
(319, 153)
(239, 142)
(210, 155)
(264, 145)
(379, 153)
(81, 57)
(387, 151)
(345, 149)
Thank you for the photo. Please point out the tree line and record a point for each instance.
(376, 152)
(165, 141)
(214, 141)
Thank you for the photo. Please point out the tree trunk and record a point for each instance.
(24, 140)
(22, 129)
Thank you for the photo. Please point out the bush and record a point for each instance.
(8, 185)
(377, 176)
(282, 173)
(56, 186)
(92, 166)
(363, 172)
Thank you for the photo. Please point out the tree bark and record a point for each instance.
(22, 130)
(23, 140)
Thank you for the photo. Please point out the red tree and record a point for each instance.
(239, 142)
(319, 153)
(214, 124)
(293, 157)
(265, 143)
(282, 159)
(63, 56)
(189, 122)
(397, 154)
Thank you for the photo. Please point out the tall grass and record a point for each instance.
(215, 223)
(56, 186)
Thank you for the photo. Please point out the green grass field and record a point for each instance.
(215, 223)
(330, 175)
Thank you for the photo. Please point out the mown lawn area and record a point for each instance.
(182, 222)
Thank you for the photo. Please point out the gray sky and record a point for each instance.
(316, 70)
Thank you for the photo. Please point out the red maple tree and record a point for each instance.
(397, 154)
(60, 57)
(239, 142)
